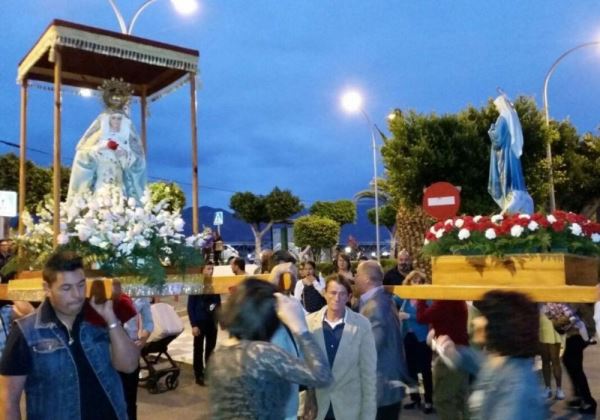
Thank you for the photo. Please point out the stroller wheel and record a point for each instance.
(172, 381)
(152, 386)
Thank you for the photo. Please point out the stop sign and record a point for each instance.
(441, 200)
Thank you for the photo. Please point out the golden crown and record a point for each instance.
(116, 93)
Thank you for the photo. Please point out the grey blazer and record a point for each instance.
(392, 373)
(353, 391)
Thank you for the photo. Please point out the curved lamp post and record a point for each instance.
(185, 7)
(352, 103)
(547, 115)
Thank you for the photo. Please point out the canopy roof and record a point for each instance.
(91, 55)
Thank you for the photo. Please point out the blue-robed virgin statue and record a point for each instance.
(506, 183)
(110, 153)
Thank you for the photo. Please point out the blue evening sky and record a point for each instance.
(272, 73)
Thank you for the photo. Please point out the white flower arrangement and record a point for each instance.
(123, 236)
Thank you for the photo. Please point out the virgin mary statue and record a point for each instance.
(506, 183)
(110, 153)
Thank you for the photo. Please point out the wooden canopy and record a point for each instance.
(91, 55)
(83, 57)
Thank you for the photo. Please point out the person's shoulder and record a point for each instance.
(358, 319)
(315, 318)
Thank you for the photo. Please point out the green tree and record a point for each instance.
(342, 211)
(317, 231)
(169, 191)
(257, 210)
(38, 180)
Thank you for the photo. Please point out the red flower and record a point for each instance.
(112, 145)
(559, 226)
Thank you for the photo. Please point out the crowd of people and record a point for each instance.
(340, 347)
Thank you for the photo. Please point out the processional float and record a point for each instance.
(70, 55)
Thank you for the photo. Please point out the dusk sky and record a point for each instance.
(272, 73)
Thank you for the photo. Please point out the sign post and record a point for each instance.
(441, 200)
(218, 221)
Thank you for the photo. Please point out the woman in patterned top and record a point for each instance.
(248, 376)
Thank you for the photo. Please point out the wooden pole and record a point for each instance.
(195, 218)
(57, 134)
(22, 155)
(144, 105)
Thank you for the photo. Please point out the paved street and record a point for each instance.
(190, 401)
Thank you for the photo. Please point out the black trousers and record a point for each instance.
(130, 387)
(418, 360)
(573, 361)
(204, 344)
(389, 412)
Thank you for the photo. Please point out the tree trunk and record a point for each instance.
(258, 235)
(411, 226)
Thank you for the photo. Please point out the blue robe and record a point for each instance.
(506, 182)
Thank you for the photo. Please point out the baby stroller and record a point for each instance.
(156, 361)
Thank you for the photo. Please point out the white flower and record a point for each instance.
(533, 225)
(449, 222)
(432, 229)
(178, 224)
(576, 229)
(595, 237)
(62, 239)
(94, 240)
(516, 231)
(144, 243)
(490, 233)
(524, 216)
(551, 219)
(497, 218)
(459, 223)
(477, 218)
(439, 233)
(463, 234)
(426, 242)
(131, 202)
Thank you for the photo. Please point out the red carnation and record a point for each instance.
(112, 145)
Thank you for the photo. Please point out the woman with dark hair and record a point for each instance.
(506, 386)
(310, 289)
(249, 377)
(344, 267)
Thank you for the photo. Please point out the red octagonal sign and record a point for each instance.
(441, 200)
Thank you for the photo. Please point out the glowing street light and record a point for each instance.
(547, 114)
(183, 7)
(352, 102)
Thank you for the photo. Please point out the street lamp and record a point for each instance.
(352, 102)
(547, 115)
(184, 7)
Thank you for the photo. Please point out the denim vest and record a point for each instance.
(52, 385)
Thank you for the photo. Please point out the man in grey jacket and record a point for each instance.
(377, 306)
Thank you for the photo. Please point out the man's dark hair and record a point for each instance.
(250, 312)
(282, 256)
(60, 261)
(240, 263)
(513, 322)
(339, 279)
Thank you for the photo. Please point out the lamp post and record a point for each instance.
(352, 102)
(547, 115)
(184, 7)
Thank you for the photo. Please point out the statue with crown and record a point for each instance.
(110, 154)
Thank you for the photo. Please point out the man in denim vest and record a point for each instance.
(66, 365)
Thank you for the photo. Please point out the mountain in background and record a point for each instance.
(235, 231)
